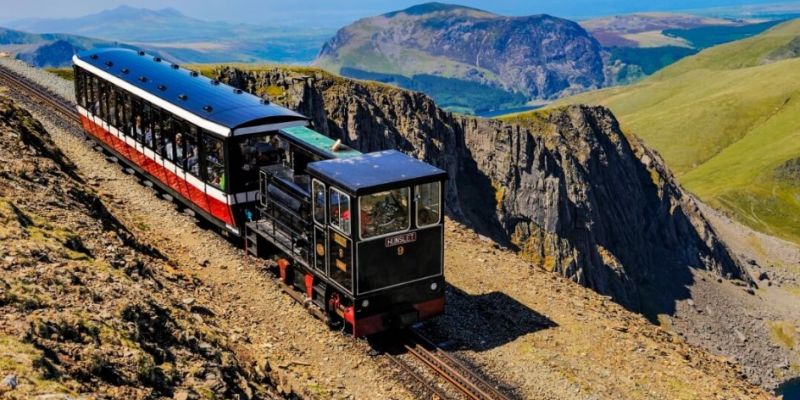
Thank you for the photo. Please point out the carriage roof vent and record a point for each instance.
(214, 82)
(140, 52)
(162, 87)
(265, 102)
(125, 71)
(183, 97)
(109, 64)
(94, 57)
(143, 79)
(208, 108)
(175, 66)
(194, 74)
(157, 59)
(237, 91)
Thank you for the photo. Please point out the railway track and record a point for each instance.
(41, 95)
(455, 372)
(471, 385)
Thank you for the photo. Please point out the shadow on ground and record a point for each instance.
(484, 321)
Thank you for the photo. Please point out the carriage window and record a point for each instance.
(428, 204)
(112, 105)
(191, 159)
(340, 211)
(95, 96)
(384, 213)
(318, 190)
(215, 163)
(123, 111)
(145, 127)
(103, 100)
(80, 89)
(155, 126)
(172, 142)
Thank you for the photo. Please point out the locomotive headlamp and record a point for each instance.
(365, 303)
(434, 286)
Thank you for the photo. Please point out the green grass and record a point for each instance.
(725, 120)
(63, 73)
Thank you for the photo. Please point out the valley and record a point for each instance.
(725, 121)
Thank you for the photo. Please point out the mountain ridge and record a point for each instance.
(537, 56)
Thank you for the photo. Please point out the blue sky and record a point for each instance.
(339, 12)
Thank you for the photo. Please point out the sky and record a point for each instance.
(334, 13)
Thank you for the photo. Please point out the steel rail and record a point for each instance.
(40, 94)
(449, 368)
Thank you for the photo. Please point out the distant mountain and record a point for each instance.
(727, 121)
(637, 45)
(47, 50)
(186, 39)
(468, 59)
(646, 30)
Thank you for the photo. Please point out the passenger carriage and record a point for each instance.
(360, 235)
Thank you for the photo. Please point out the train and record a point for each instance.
(360, 236)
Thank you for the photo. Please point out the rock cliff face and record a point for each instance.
(540, 56)
(564, 187)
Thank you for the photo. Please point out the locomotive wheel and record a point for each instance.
(335, 322)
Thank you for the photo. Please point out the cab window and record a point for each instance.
(429, 208)
(340, 211)
(318, 190)
(384, 213)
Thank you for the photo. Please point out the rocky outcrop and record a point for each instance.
(86, 309)
(540, 56)
(564, 187)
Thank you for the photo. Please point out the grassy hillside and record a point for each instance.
(727, 120)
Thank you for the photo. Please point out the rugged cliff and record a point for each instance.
(539, 56)
(566, 188)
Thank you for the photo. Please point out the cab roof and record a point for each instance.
(169, 85)
(317, 143)
(374, 172)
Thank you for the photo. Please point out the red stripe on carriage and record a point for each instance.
(209, 204)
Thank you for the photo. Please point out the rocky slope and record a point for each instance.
(539, 56)
(568, 190)
(85, 308)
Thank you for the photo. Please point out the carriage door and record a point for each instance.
(319, 195)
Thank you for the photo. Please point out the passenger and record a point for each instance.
(175, 152)
(148, 137)
(137, 131)
(193, 161)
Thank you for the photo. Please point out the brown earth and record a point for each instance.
(86, 307)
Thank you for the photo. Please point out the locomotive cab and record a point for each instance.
(379, 237)
(363, 232)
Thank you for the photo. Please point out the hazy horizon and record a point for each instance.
(336, 14)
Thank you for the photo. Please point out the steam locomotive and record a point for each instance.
(360, 236)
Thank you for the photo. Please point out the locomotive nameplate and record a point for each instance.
(410, 237)
(339, 239)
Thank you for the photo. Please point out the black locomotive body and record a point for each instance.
(364, 232)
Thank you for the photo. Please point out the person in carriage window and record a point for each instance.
(175, 152)
(137, 131)
(193, 160)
